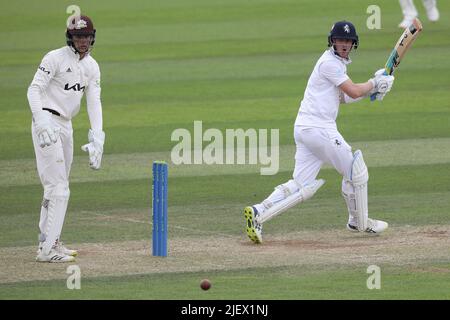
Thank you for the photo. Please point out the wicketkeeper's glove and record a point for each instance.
(47, 133)
(95, 148)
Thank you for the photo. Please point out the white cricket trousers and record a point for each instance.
(316, 146)
(53, 166)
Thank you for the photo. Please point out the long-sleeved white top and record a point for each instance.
(60, 82)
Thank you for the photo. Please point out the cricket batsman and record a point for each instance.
(54, 96)
(318, 140)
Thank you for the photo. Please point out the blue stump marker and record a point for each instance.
(159, 204)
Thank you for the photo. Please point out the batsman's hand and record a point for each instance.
(382, 83)
(95, 148)
(47, 133)
(380, 72)
(385, 83)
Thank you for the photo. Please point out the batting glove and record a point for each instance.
(380, 72)
(385, 83)
(382, 83)
(46, 132)
(95, 148)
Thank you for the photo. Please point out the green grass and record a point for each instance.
(231, 64)
(282, 283)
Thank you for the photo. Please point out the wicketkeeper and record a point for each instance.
(318, 141)
(54, 95)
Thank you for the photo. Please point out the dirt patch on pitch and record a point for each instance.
(408, 245)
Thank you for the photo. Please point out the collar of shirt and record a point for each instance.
(345, 61)
(74, 54)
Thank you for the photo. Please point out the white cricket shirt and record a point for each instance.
(320, 104)
(60, 82)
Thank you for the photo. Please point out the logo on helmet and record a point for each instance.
(80, 24)
(347, 28)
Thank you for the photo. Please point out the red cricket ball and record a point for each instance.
(205, 284)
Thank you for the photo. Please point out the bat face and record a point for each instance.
(407, 38)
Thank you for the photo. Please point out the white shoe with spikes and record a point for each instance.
(53, 257)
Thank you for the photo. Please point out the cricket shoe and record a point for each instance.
(433, 14)
(59, 247)
(373, 226)
(254, 229)
(53, 257)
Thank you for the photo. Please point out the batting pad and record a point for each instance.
(359, 177)
(297, 197)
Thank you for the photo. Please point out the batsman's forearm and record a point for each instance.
(363, 89)
(346, 99)
(357, 90)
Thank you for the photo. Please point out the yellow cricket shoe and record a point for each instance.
(253, 228)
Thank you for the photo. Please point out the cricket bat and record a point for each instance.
(407, 38)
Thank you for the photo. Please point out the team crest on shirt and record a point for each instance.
(347, 28)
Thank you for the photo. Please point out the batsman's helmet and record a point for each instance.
(80, 26)
(343, 30)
